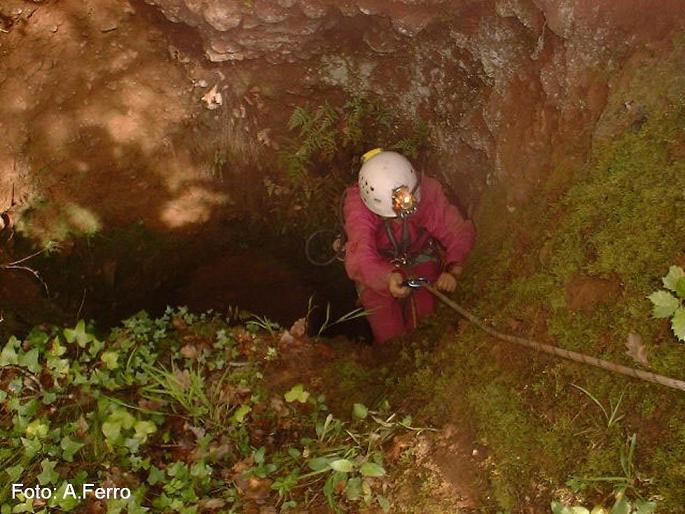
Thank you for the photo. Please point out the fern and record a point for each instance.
(411, 145)
(326, 136)
(301, 117)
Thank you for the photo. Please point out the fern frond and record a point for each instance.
(327, 144)
(300, 117)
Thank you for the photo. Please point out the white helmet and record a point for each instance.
(388, 184)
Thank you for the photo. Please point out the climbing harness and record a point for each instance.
(648, 376)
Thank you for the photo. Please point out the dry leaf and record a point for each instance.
(179, 324)
(182, 378)
(189, 351)
(213, 504)
(636, 349)
(213, 99)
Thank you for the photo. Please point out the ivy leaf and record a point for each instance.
(296, 393)
(9, 352)
(37, 428)
(112, 427)
(240, 413)
(57, 349)
(359, 411)
(670, 281)
(371, 469)
(78, 334)
(37, 338)
(31, 447)
(259, 455)
(95, 346)
(29, 360)
(678, 323)
(144, 429)
(111, 430)
(14, 472)
(155, 476)
(110, 359)
(59, 367)
(48, 475)
(665, 304)
(69, 448)
(342, 465)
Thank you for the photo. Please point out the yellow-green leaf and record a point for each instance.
(665, 304)
(371, 469)
(240, 413)
(296, 393)
(678, 323)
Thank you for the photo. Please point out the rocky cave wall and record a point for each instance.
(512, 89)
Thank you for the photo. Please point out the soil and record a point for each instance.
(583, 293)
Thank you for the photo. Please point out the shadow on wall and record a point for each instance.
(101, 124)
(103, 135)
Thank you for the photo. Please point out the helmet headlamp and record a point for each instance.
(404, 203)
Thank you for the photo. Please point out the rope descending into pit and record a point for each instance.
(560, 352)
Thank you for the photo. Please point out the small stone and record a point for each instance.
(287, 338)
(299, 328)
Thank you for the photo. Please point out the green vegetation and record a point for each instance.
(180, 411)
(323, 159)
(668, 306)
(613, 228)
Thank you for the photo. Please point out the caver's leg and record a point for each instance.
(385, 316)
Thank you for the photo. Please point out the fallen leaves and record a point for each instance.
(213, 98)
(636, 349)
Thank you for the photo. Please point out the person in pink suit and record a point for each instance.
(400, 225)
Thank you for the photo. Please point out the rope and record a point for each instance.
(560, 352)
(308, 249)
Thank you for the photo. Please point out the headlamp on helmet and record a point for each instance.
(404, 202)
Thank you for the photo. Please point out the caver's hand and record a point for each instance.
(446, 282)
(395, 286)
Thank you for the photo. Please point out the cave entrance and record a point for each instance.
(281, 287)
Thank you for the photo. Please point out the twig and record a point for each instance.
(83, 300)
(24, 259)
(24, 372)
(30, 270)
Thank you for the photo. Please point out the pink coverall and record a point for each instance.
(369, 252)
